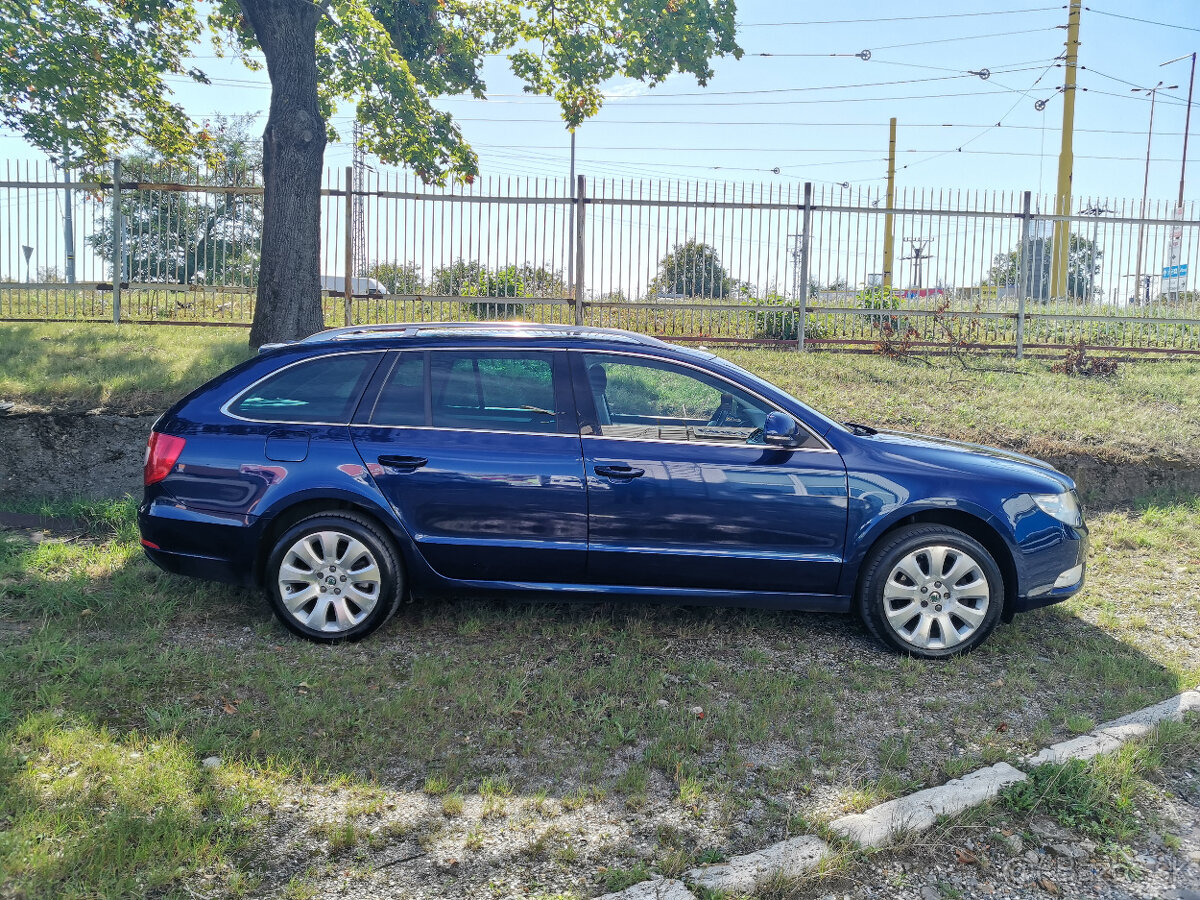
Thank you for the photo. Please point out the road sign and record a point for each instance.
(1174, 278)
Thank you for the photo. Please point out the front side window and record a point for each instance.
(316, 390)
(495, 391)
(656, 400)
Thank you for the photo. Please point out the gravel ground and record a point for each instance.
(885, 717)
(1037, 858)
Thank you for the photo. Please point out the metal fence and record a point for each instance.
(690, 261)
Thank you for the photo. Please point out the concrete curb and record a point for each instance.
(906, 815)
(919, 812)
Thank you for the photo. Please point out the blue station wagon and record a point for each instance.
(344, 471)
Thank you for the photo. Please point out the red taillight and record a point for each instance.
(161, 452)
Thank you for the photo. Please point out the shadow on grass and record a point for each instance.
(706, 716)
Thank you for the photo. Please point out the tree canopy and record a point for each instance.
(83, 78)
(692, 269)
(1083, 266)
(192, 238)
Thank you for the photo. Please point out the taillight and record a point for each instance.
(162, 450)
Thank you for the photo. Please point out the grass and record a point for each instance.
(1149, 409)
(138, 368)
(500, 714)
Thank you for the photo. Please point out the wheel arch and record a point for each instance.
(968, 523)
(283, 519)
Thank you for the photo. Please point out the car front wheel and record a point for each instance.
(930, 591)
(334, 577)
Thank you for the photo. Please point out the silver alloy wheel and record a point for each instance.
(936, 597)
(329, 581)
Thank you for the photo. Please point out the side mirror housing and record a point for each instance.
(781, 430)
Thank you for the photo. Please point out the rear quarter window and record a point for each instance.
(325, 389)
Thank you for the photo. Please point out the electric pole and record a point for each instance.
(889, 236)
(919, 256)
(358, 230)
(1060, 251)
(797, 261)
(68, 221)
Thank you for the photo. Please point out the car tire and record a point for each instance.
(334, 577)
(930, 591)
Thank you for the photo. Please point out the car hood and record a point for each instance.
(920, 444)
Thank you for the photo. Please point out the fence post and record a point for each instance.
(580, 198)
(805, 231)
(118, 243)
(347, 290)
(1023, 252)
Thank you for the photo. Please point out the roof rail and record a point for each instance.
(533, 329)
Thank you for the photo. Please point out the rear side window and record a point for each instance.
(316, 390)
(402, 399)
(494, 391)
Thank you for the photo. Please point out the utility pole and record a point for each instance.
(1175, 245)
(574, 216)
(1153, 92)
(797, 260)
(1060, 248)
(889, 236)
(918, 256)
(1097, 211)
(68, 221)
(357, 257)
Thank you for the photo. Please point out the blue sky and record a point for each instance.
(816, 111)
(802, 100)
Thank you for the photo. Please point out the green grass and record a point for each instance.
(140, 368)
(1149, 409)
(134, 677)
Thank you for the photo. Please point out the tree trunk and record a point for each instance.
(288, 305)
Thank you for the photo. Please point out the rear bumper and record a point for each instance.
(211, 568)
(199, 543)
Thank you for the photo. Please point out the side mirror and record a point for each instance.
(781, 430)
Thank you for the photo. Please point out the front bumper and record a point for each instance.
(1051, 574)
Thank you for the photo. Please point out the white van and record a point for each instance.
(336, 285)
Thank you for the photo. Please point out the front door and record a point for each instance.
(683, 493)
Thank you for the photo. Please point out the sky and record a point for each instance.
(802, 101)
(811, 97)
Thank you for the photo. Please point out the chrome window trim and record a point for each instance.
(224, 410)
(726, 444)
(825, 446)
(559, 434)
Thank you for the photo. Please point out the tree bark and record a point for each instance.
(288, 305)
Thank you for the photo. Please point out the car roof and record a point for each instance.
(507, 331)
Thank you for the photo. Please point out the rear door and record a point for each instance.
(683, 493)
(478, 452)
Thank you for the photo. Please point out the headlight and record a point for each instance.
(1064, 507)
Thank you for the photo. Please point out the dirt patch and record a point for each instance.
(65, 455)
(99, 454)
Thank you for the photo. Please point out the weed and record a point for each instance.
(617, 878)
(1077, 362)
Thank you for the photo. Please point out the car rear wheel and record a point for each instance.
(334, 577)
(931, 591)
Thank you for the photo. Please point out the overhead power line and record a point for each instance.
(1104, 12)
(866, 54)
(997, 12)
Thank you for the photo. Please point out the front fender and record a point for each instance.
(868, 522)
